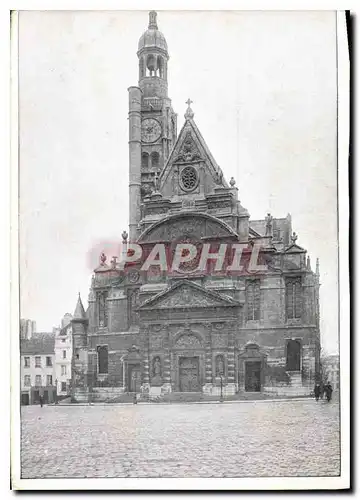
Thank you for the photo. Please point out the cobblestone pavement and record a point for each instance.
(298, 438)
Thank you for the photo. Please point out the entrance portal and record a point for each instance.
(134, 378)
(252, 376)
(293, 355)
(189, 374)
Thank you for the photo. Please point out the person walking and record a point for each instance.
(317, 391)
(41, 397)
(328, 391)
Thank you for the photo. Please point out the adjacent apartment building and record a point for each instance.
(63, 356)
(38, 369)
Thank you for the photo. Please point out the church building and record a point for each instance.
(155, 331)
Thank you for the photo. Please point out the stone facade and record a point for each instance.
(189, 330)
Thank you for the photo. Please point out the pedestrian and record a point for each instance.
(317, 391)
(328, 391)
(135, 398)
(41, 400)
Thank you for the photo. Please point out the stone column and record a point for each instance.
(145, 360)
(208, 360)
(166, 387)
(230, 387)
(134, 160)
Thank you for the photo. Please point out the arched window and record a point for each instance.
(102, 308)
(155, 160)
(144, 160)
(141, 67)
(293, 298)
(103, 359)
(160, 65)
(133, 302)
(151, 64)
(253, 299)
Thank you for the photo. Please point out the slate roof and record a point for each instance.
(37, 346)
(79, 310)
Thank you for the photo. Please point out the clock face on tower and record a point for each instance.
(150, 130)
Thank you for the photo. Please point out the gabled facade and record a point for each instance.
(194, 329)
(63, 359)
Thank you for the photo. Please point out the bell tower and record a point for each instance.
(152, 121)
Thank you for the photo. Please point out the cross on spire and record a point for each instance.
(189, 112)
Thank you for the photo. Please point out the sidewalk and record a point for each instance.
(172, 403)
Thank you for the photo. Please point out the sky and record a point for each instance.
(263, 86)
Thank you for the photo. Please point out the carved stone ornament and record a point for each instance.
(187, 297)
(189, 150)
(102, 259)
(189, 178)
(188, 341)
(133, 276)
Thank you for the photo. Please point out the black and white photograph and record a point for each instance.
(181, 249)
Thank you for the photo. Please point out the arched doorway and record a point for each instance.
(293, 355)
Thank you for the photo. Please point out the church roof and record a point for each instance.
(152, 38)
(79, 310)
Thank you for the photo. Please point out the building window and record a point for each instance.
(63, 386)
(64, 354)
(155, 160)
(189, 178)
(144, 161)
(133, 302)
(27, 361)
(48, 379)
(49, 361)
(63, 369)
(293, 298)
(37, 361)
(27, 381)
(63, 340)
(103, 359)
(38, 380)
(253, 300)
(102, 308)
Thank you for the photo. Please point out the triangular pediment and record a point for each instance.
(190, 149)
(294, 248)
(187, 295)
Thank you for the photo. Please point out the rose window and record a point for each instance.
(189, 178)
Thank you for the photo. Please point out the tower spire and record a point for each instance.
(152, 20)
(79, 310)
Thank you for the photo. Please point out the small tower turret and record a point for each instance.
(153, 59)
(79, 367)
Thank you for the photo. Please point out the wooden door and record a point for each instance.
(189, 374)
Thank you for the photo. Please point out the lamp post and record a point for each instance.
(56, 388)
(221, 388)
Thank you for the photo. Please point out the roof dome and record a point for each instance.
(152, 36)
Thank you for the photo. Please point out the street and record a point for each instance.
(263, 438)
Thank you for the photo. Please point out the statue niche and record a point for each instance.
(156, 379)
(219, 365)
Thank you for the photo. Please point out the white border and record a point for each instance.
(292, 483)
